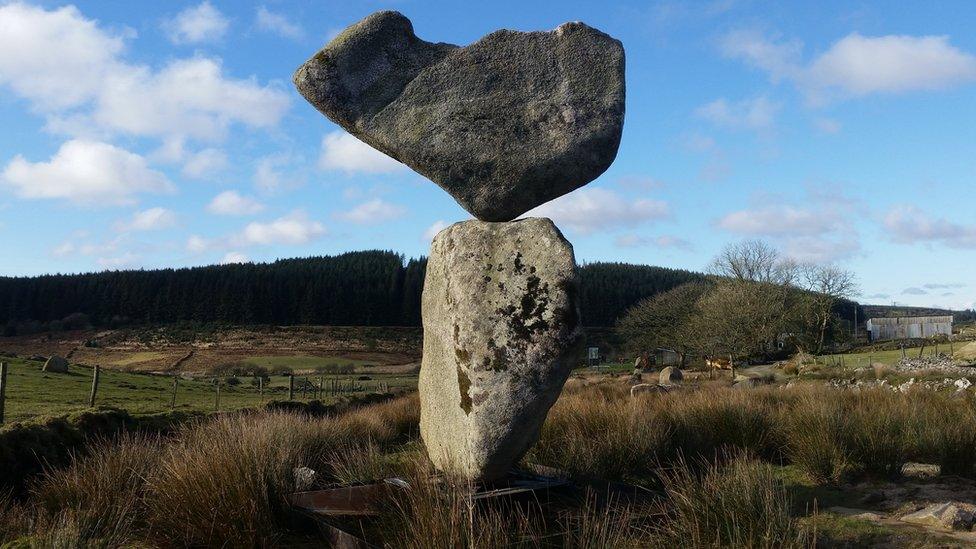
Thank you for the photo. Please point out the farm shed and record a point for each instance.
(908, 327)
(666, 357)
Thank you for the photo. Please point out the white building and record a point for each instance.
(908, 327)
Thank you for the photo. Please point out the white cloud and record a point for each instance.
(757, 114)
(278, 24)
(664, 241)
(818, 231)
(779, 220)
(342, 151)
(272, 174)
(373, 212)
(197, 244)
(86, 172)
(234, 257)
(910, 225)
(57, 59)
(72, 71)
(292, 229)
(434, 228)
(202, 23)
(589, 210)
(858, 65)
(153, 219)
(204, 163)
(234, 203)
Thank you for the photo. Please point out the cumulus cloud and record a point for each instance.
(278, 24)
(234, 203)
(85, 172)
(779, 220)
(914, 290)
(73, 72)
(293, 229)
(589, 210)
(373, 212)
(152, 219)
(341, 151)
(663, 241)
(434, 228)
(910, 225)
(234, 257)
(857, 65)
(756, 114)
(196, 24)
(204, 163)
(818, 230)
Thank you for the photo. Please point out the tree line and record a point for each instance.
(368, 288)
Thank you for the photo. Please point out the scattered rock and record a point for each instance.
(873, 498)
(501, 335)
(505, 124)
(947, 516)
(304, 478)
(747, 383)
(671, 375)
(56, 365)
(647, 388)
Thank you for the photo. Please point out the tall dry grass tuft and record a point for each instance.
(812, 428)
(608, 525)
(709, 423)
(736, 504)
(947, 434)
(436, 513)
(100, 497)
(599, 433)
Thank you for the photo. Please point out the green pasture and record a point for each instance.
(31, 392)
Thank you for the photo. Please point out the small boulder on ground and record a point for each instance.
(56, 365)
(647, 388)
(671, 376)
(947, 516)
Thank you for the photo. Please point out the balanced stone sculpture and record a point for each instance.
(503, 125)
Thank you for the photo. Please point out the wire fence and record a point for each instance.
(26, 390)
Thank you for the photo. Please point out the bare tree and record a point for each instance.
(665, 320)
(826, 284)
(739, 319)
(754, 261)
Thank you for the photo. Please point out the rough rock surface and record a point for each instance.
(670, 375)
(56, 365)
(501, 335)
(505, 124)
(948, 516)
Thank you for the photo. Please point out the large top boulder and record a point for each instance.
(503, 125)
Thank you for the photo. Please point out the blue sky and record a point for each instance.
(169, 135)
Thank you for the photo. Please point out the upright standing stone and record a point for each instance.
(503, 125)
(501, 335)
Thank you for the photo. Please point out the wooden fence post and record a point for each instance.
(261, 387)
(3, 388)
(176, 386)
(291, 386)
(94, 387)
(217, 398)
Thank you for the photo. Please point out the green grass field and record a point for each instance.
(31, 392)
